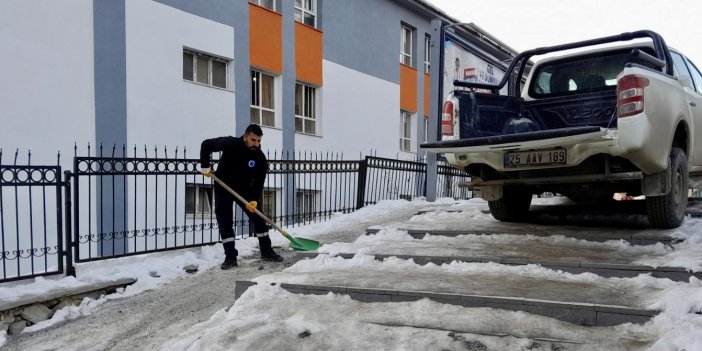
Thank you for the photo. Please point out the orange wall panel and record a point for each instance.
(308, 54)
(265, 39)
(426, 94)
(408, 88)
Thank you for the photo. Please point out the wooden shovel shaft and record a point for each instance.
(259, 213)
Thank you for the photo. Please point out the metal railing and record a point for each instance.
(113, 204)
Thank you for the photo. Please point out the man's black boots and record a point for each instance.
(230, 259)
(267, 253)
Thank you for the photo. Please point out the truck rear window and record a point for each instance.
(580, 74)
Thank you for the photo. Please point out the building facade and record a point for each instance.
(319, 75)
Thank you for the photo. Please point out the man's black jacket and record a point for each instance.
(239, 167)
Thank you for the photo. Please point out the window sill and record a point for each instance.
(408, 66)
(310, 135)
(208, 86)
(204, 216)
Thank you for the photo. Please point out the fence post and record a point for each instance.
(67, 217)
(361, 189)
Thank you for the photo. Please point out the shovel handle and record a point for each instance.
(256, 211)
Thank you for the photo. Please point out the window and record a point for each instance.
(696, 76)
(406, 46)
(427, 46)
(306, 205)
(198, 199)
(405, 131)
(205, 69)
(269, 4)
(305, 109)
(579, 74)
(426, 129)
(686, 68)
(262, 99)
(306, 12)
(268, 205)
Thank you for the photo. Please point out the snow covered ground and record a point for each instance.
(269, 318)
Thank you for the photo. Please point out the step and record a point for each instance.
(585, 300)
(633, 237)
(589, 314)
(607, 270)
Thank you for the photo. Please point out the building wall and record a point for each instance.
(162, 107)
(112, 72)
(46, 95)
(355, 120)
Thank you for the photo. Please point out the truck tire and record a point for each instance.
(513, 206)
(668, 211)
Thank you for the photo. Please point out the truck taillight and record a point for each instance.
(447, 119)
(630, 95)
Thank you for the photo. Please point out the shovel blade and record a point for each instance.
(302, 244)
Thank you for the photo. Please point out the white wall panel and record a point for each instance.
(164, 109)
(359, 113)
(46, 97)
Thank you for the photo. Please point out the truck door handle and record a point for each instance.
(693, 103)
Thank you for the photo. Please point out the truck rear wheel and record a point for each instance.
(668, 211)
(513, 206)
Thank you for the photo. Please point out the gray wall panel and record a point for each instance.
(364, 35)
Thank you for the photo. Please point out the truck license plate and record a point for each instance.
(535, 158)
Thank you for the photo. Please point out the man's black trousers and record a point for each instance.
(224, 212)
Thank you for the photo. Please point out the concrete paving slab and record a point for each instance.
(605, 269)
(496, 284)
(578, 313)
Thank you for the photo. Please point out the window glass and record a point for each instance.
(305, 109)
(219, 74)
(406, 46)
(427, 47)
(582, 74)
(262, 99)
(306, 12)
(187, 66)
(269, 4)
(679, 64)
(405, 131)
(203, 68)
(696, 76)
(198, 199)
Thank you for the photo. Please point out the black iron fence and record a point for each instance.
(112, 204)
(31, 221)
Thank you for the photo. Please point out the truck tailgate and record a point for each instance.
(535, 139)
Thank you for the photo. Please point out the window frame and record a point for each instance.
(303, 10)
(259, 93)
(269, 202)
(196, 75)
(406, 57)
(306, 204)
(260, 3)
(427, 51)
(207, 190)
(309, 104)
(695, 73)
(405, 128)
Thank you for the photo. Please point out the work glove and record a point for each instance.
(251, 206)
(207, 172)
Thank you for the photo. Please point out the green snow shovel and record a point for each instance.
(299, 244)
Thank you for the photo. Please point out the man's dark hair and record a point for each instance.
(253, 128)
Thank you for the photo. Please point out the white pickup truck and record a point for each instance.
(619, 114)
